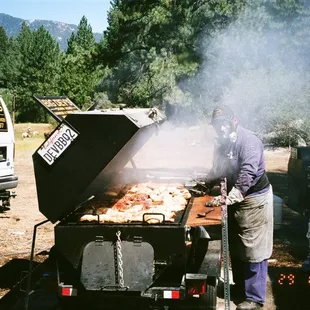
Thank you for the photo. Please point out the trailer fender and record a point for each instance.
(202, 233)
(200, 243)
(211, 264)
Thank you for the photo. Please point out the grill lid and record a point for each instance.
(84, 146)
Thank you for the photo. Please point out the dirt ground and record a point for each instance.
(16, 225)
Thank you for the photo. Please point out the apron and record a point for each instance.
(250, 225)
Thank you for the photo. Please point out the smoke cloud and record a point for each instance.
(259, 66)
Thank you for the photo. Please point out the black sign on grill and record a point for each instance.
(57, 106)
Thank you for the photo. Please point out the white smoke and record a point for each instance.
(259, 66)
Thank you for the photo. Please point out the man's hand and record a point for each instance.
(234, 196)
(215, 202)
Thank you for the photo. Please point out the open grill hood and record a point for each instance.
(97, 144)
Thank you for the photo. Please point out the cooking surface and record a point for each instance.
(198, 207)
(143, 202)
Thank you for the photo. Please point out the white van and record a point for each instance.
(8, 179)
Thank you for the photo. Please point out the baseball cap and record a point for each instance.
(222, 112)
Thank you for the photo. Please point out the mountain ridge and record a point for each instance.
(60, 31)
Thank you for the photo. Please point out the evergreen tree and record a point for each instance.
(3, 52)
(150, 46)
(83, 39)
(12, 65)
(39, 71)
(79, 76)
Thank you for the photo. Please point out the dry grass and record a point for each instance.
(40, 128)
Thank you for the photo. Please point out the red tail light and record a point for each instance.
(196, 286)
(68, 290)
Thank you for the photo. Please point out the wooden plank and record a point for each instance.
(198, 206)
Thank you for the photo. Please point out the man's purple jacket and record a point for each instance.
(241, 162)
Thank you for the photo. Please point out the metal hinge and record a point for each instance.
(161, 263)
(99, 240)
(137, 240)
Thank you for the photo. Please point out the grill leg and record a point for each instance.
(31, 262)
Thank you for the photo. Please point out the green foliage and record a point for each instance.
(289, 133)
(79, 76)
(3, 51)
(8, 98)
(151, 46)
(84, 37)
(259, 65)
(190, 54)
(38, 72)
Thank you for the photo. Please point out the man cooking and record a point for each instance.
(239, 157)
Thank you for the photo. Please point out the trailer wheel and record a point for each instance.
(207, 301)
(209, 298)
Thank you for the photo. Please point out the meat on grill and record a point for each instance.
(151, 202)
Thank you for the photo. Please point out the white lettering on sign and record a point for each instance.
(57, 143)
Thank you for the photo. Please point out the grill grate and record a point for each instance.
(74, 218)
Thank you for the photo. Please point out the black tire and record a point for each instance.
(209, 298)
(207, 301)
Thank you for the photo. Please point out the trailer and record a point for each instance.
(159, 265)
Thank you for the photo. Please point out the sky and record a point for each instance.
(67, 11)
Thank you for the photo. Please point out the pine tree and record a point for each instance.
(79, 75)
(83, 38)
(151, 45)
(39, 71)
(3, 53)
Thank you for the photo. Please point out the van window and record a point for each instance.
(3, 153)
(3, 122)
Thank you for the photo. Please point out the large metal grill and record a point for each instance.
(85, 153)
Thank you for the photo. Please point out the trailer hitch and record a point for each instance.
(5, 198)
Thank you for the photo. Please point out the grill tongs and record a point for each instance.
(200, 189)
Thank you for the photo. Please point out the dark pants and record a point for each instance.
(250, 278)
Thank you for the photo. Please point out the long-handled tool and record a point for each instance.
(200, 189)
(205, 213)
(225, 248)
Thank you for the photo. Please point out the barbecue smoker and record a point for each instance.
(163, 265)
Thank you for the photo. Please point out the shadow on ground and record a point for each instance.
(290, 287)
(13, 276)
(290, 283)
